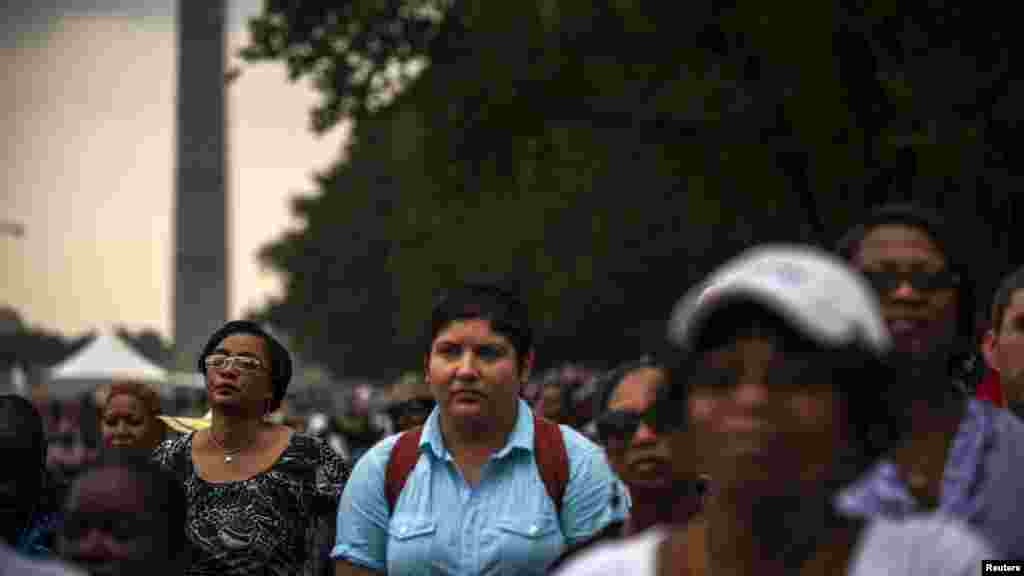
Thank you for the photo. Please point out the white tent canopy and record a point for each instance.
(105, 359)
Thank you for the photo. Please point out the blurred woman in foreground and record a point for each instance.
(784, 378)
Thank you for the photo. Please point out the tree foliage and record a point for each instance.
(605, 154)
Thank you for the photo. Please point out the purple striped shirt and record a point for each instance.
(881, 491)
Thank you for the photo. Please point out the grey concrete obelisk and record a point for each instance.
(201, 260)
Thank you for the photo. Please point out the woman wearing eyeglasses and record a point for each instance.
(261, 496)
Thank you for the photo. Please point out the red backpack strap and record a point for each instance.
(552, 459)
(404, 455)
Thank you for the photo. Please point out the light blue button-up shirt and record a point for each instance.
(507, 524)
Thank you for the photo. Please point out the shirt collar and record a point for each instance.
(881, 491)
(521, 437)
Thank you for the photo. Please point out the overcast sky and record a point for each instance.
(87, 114)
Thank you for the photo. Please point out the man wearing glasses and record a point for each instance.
(961, 456)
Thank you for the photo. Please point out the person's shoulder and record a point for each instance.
(1007, 444)
(377, 455)
(923, 544)
(577, 443)
(319, 452)
(635, 555)
(1007, 422)
(307, 444)
(167, 451)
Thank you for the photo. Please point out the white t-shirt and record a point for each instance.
(932, 545)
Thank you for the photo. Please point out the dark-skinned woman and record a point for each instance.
(261, 496)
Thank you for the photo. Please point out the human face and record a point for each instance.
(411, 412)
(642, 459)
(232, 387)
(768, 421)
(1005, 349)
(922, 321)
(475, 373)
(128, 422)
(108, 529)
(552, 395)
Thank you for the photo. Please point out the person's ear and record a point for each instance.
(989, 344)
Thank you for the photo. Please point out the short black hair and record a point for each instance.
(162, 491)
(501, 305)
(915, 216)
(280, 359)
(607, 383)
(23, 417)
(935, 227)
(1011, 283)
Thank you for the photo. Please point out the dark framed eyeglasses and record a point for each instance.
(419, 406)
(887, 281)
(243, 363)
(621, 425)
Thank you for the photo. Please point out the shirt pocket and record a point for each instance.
(410, 540)
(528, 544)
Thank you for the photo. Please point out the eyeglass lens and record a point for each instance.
(886, 281)
(242, 362)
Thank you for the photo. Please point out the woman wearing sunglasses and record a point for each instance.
(261, 497)
(638, 453)
(782, 379)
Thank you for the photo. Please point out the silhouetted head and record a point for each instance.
(125, 515)
(22, 477)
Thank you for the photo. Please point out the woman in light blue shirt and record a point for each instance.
(476, 497)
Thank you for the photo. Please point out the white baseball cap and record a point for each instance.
(823, 298)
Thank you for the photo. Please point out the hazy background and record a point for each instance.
(87, 115)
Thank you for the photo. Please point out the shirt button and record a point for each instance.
(403, 530)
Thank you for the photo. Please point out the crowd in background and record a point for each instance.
(812, 412)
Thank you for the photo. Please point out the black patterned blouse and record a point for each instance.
(274, 523)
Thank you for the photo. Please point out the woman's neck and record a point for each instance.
(769, 536)
(235, 431)
(673, 503)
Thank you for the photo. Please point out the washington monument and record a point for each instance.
(201, 220)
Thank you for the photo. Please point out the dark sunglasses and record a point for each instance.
(621, 425)
(887, 281)
(412, 406)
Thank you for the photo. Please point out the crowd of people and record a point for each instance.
(810, 413)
